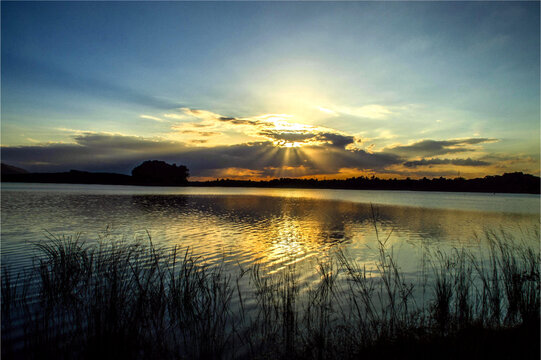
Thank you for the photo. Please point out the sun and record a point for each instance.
(284, 133)
(292, 144)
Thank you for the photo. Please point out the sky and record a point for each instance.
(260, 90)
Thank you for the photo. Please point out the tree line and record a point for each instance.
(160, 173)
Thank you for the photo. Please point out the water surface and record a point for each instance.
(274, 227)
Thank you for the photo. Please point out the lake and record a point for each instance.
(273, 227)
(360, 264)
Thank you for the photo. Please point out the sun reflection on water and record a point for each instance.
(278, 230)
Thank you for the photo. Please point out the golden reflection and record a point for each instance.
(279, 231)
(289, 241)
(292, 235)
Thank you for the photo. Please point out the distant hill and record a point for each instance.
(10, 169)
(148, 173)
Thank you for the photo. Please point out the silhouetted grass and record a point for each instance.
(136, 300)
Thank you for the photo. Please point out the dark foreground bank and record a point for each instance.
(135, 301)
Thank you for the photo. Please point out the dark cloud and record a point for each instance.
(266, 158)
(362, 160)
(289, 136)
(105, 152)
(113, 144)
(117, 153)
(236, 121)
(91, 152)
(200, 133)
(430, 162)
(333, 139)
(337, 140)
(427, 148)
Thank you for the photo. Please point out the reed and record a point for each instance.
(132, 300)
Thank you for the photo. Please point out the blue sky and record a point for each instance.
(273, 89)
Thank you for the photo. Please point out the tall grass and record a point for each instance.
(136, 300)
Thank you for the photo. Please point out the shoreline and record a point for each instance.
(515, 183)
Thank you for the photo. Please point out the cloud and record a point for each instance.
(199, 133)
(106, 143)
(277, 128)
(239, 173)
(336, 139)
(91, 152)
(211, 116)
(313, 137)
(149, 117)
(272, 145)
(199, 113)
(272, 161)
(119, 153)
(236, 121)
(175, 116)
(287, 136)
(428, 148)
(459, 162)
(322, 154)
(188, 126)
(204, 118)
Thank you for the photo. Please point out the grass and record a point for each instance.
(136, 300)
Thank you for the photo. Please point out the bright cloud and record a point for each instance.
(150, 117)
(281, 129)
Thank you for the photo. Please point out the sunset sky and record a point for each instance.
(276, 89)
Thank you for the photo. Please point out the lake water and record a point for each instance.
(273, 227)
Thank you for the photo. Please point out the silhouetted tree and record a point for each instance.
(160, 172)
